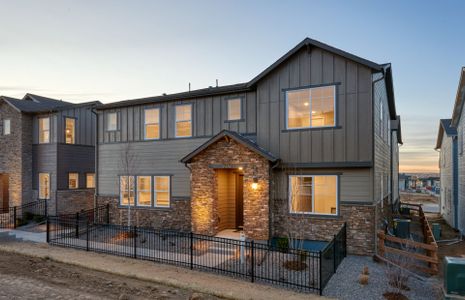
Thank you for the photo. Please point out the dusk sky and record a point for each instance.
(117, 50)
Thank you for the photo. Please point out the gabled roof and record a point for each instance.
(35, 104)
(248, 143)
(247, 86)
(445, 126)
(459, 99)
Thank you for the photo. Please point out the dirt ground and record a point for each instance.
(25, 277)
(418, 198)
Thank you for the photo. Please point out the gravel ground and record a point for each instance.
(344, 284)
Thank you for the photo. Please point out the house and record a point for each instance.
(448, 171)
(48, 152)
(308, 144)
(458, 122)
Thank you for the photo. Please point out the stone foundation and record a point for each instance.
(177, 217)
(72, 201)
(360, 221)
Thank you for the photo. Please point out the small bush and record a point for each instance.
(365, 271)
(363, 279)
(283, 244)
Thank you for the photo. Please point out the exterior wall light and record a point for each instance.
(255, 183)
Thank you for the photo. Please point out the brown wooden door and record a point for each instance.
(4, 192)
(239, 201)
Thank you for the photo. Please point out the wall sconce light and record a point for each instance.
(255, 183)
(240, 168)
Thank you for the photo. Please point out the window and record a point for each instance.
(70, 130)
(44, 186)
(112, 121)
(127, 190)
(313, 194)
(184, 120)
(90, 180)
(73, 180)
(312, 107)
(44, 130)
(6, 127)
(152, 123)
(144, 190)
(234, 109)
(162, 191)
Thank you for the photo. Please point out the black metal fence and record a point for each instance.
(16, 216)
(254, 261)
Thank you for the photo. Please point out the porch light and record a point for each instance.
(255, 183)
(240, 168)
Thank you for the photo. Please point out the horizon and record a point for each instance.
(82, 51)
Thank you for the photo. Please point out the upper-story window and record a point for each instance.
(44, 130)
(152, 123)
(311, 107)
(6, 127)
(70, 129)
(234, 109)
(183, 120)
(90, 180)
(112, 121)
(73, 180)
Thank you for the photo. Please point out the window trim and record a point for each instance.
(313, 195)
(154, 192)
(107, 118)
(159, 124)
(241, 109)
(191, 120)
(95, 184)
(49, 185)
(136, 190)
(49, 130)
(129, 196)
(286, 102)
(77, 181)
(74, 133)
(4, 127)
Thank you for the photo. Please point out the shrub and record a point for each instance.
(363, 279)
(365, 271)
(283, 244)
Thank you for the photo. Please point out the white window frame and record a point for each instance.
(155, 192)
(129, 194)
(136, 190)
(74, 130)
(286, 109)
(93, 180)
(40, 186)
(49, 125)
(5, 127)
(145, 124)
(228, 117)
(77, 180)
(107, 127)
(176, 121)
(289, 196)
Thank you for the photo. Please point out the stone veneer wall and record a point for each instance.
(177, 217)
(228, 152)
(72, 201)
(360, 225)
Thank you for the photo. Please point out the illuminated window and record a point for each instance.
(73, 180)
(312, 107)
(234, 109)
(152, 123)
(112, 121)
(90, 180)
(144, 190)
(313, 194)
(44, 130)
(70, 128)
(44, 186)
(6, 127)
(162, 191)
(184, 120)
(127, 190)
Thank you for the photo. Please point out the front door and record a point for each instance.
(4, 192)
(240, 201)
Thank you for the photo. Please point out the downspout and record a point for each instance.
(96, 157)
(270, 212)
(455, 177)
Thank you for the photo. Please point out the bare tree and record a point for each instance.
(398, 272)
(127, 166)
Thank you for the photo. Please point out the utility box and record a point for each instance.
(402, 228)
(454, 277)
(436, 231)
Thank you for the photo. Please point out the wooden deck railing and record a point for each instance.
(429, 246)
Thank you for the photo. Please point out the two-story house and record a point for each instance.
(47, 152)
(308, 144)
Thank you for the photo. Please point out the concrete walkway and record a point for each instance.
(217, 285)
(36, 237)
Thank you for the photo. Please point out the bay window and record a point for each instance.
(311, 107)
(309, 194)
(152, 123)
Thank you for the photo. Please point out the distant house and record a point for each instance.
(47, 152)
(450, 142)
(308, 144)
(403, 182)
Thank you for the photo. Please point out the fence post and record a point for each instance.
(108, 213)
(45, 208)
(320, 279)
(77, 226)
(192, 249)
(48, 229)
(14, 217)
(345, 239)
(334, 254)
(87, 235)
(252, 260)
(135, 241)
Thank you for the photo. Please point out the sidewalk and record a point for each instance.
(217, 285)
(36, 237)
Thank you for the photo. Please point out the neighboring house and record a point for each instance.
(448, 171)
(308, 144)
(48, 152)
(403, 182)
(458, 122)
